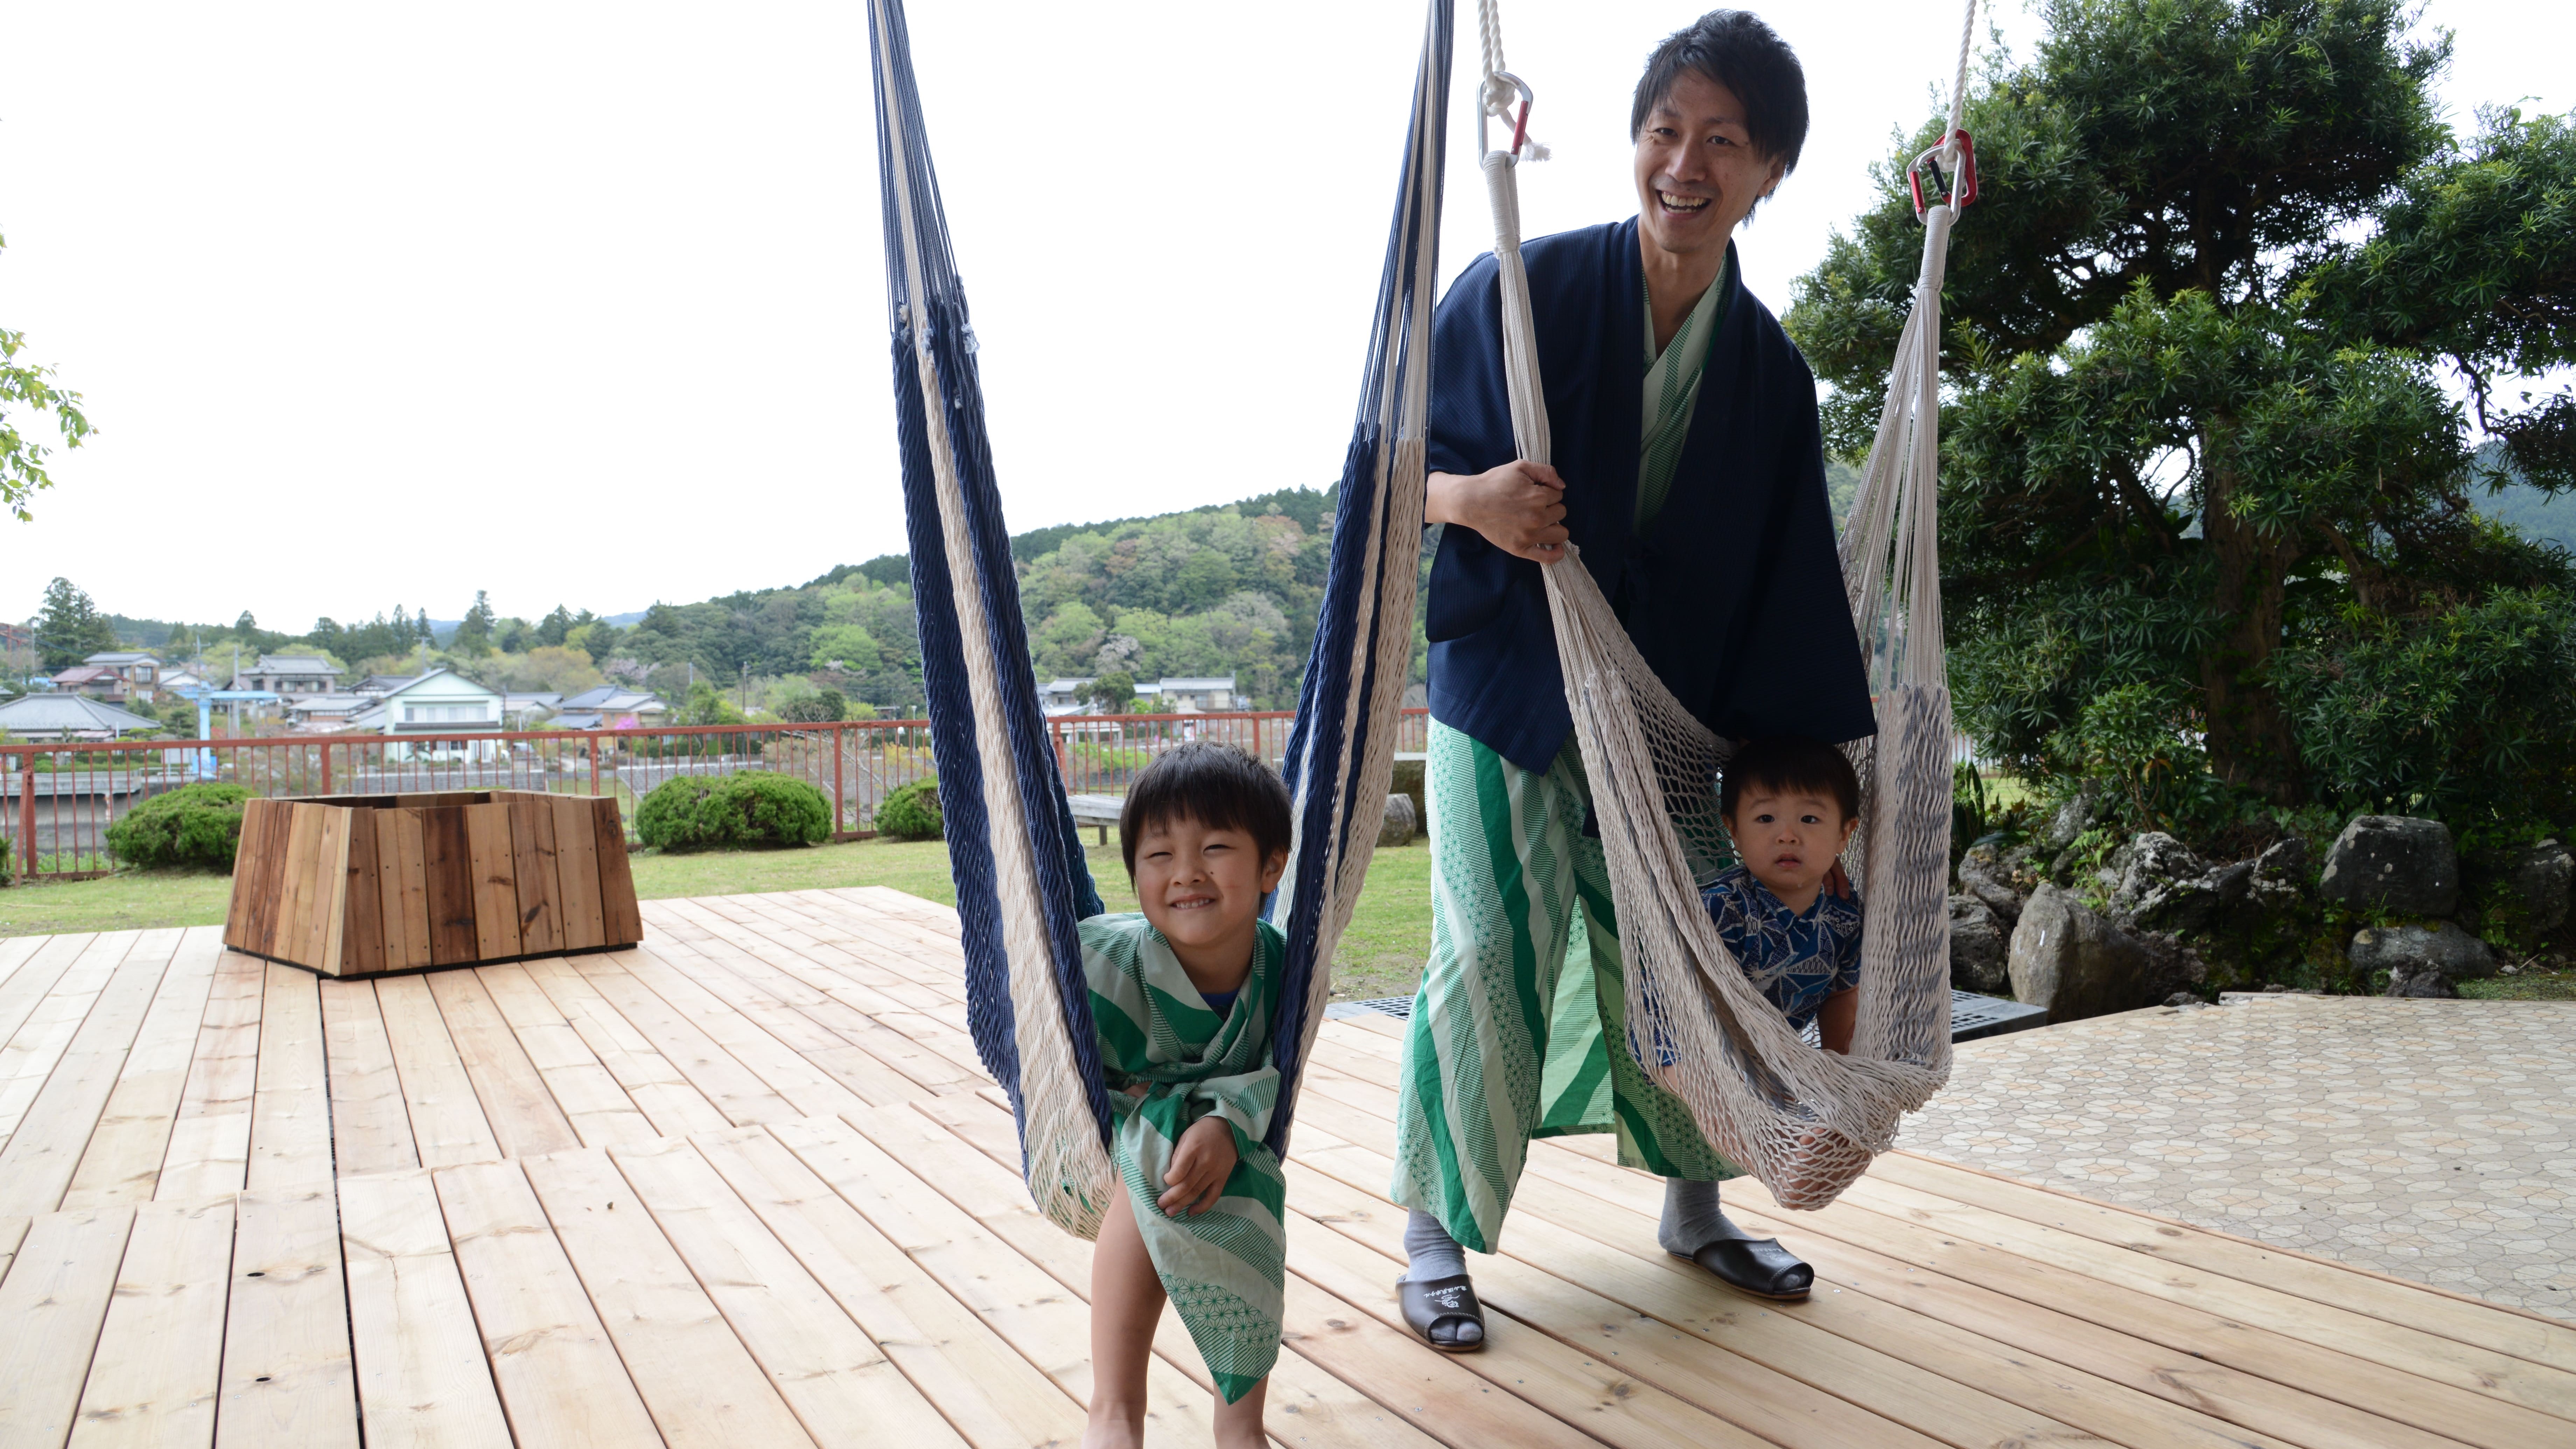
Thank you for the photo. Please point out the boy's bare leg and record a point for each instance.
(1238, 1425)
(1126, 1304)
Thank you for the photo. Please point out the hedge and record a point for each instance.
(753, 807)
(194, 825)
(912, 811)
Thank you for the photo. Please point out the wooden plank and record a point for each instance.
(669, 1101)
(521, 1111)
(290, 1125)
(362, 939)
(2529, 1337)
(559, 1378)
(294, 924)
(370, 1126)
(30, 1055)
(210, 1142)
(36, 1167)
(13, 1231)
(577, 873)
(410, 899)
(597, 1107)
(447, 1122)
(617, 910)
(1035, 1313)
(447, 867)
(36, 978)
(742, 1097)
(51, 1306)
(122, 1162)
(496, 896)
(532, 852)
(805, 1086)
(159, 1364)
(995, 1398)
(802, 1031)
(249, 849)
(701, 1384)
(330, 886)
(287, 1375)
(421, 1376)
(842, 1389)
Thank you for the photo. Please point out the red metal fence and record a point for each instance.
(60, 799)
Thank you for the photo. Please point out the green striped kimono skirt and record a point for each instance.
(1518, 1031)
(1224, 1267)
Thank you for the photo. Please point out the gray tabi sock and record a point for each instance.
(1692, 1218)
(1433, 1253)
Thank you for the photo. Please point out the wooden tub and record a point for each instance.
(361, 885)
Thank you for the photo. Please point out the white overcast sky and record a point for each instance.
(584, 304)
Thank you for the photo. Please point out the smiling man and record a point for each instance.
(1690, 474)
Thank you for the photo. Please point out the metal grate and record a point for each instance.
(1971, 1015)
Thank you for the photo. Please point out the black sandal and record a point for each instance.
(1430, 1305)
(1759, 1266)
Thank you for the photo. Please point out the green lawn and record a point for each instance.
(1381, 954)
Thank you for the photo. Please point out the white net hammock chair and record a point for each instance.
(1804, 1122)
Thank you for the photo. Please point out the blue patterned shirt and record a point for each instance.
(1796, 959)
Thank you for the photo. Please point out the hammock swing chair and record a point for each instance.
(1804, 1122)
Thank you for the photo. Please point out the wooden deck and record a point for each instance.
(747, 1186)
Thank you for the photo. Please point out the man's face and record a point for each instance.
(1697, 171)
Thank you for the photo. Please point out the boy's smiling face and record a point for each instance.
(1202, 888)
(1789, 840)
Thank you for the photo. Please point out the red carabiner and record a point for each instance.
(1967, 187)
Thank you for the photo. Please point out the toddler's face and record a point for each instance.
(1789, 840)
(1202, 887)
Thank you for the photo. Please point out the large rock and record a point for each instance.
(2077, 963)
(2000, 879)
(2422, 960)
(1400, 824)
(2541, 884)
(2163, 886)
(2394, 862)
(1977, 945)
(2074, 816)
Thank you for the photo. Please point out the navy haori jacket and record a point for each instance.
(1733, 595)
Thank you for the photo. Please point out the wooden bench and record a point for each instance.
(363, 885)
(1100, 810)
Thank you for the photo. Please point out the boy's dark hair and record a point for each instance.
(1786, 764)
(1736, 50)
(1217, 785)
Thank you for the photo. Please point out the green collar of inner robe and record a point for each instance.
(1672, 388)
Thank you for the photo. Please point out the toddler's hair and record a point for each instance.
(1786, 764)
(1217, 785)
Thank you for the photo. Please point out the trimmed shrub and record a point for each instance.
(194, 825)
(912, 811)
(754, 807)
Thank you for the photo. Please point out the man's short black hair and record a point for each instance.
(1736, 50)
(1217, 785)
(1790, 764)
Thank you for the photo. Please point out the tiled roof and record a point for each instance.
(47, 714)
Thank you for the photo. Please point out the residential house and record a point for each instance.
(377, 685)
(1063, 696)
(180, 680)
(426, 716)
(526, 711)
(613, 707)
(323, 714)
(1208, 695)
(66, 716)
(140, 673)
(94, 680)
(294, 674)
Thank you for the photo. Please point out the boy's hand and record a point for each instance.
(1201, 1162)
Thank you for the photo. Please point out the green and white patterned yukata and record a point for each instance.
(1224, 1267)
(1513, 1031)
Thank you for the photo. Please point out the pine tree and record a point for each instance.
(70, 628)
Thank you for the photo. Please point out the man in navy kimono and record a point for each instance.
(1690, 473)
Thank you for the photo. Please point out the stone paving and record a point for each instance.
(2433, 1140)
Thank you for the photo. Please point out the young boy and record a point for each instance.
(1182, 998)
(1792, 922)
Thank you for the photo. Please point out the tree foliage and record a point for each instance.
(26, 388)
(2204, 494)
(69, 628)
